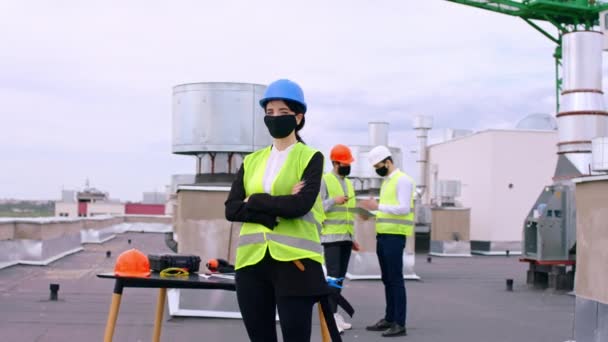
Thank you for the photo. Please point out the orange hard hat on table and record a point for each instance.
(132, 263)
(341, 153)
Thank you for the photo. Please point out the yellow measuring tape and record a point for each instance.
(174, 272)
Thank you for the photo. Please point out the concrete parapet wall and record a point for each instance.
(40, 241)
(53, 227)
(7, 230)
(46, 231)
(148, 219)
(102, 223)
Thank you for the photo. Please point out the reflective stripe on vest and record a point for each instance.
(329, 238)
(291, 239)
(340, 219)
(338, 222)
(310, 218)
(252, 239)
(338, 210)
(395, 224)
(396, 221)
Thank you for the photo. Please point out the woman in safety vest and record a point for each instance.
(276, 196)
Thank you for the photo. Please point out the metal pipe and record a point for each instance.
(199, 164)
(54, 292)
(422, 125)
(170, 242)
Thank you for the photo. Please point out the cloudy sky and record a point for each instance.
(86, 86)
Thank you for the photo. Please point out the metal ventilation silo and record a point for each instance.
(218, 123)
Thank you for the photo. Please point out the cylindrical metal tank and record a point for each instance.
(582, 60)
(378, 133)
(582, 115)
(218, 117)
(600, 154)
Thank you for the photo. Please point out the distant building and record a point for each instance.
(154, 198)
(144, 209)
(93, 202)
(501, 173)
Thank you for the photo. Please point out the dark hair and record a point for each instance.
(388, 158)
(297, 108)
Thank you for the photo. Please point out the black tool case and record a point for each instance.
(159, 262)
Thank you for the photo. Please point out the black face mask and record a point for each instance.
(280, 126)
(382, 171)
(344, 170)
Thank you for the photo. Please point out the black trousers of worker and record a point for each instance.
(337, 256)
(261, 290)
(389, 249)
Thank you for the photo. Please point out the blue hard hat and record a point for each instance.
(283, 90)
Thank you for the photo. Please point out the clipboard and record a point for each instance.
(364, 212)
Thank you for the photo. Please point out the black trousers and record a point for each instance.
(337, 256)
(389, 249)
(259, 299)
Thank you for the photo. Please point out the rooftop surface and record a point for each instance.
(457, 300)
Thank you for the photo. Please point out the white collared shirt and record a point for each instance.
(404, 196)
(273, 166)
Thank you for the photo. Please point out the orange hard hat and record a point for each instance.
(341, 153)
(132, 263)
(213, 264)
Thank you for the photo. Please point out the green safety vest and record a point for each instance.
(340, 219)
(291, 239)
(395, 224)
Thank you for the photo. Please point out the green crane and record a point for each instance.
(565, 15)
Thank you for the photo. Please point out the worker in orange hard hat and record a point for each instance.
(337, 236)
(132, 263)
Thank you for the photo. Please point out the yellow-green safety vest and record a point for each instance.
(340, 219)
(395, 224)
(291, 239)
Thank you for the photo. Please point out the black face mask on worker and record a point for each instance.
(280, 126)
(382, 171)
(344, 170)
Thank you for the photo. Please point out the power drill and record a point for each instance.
(220, 266)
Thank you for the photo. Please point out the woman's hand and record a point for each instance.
(297, 187)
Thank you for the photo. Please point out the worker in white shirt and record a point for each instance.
(394, 223)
